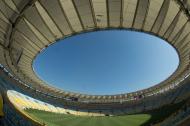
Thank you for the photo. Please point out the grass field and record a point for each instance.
(54, 119)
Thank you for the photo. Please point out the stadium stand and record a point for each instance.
(179, 116)
(24, 102)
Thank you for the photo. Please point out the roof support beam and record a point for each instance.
(30, 3)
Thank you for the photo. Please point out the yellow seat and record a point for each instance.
(1, 106)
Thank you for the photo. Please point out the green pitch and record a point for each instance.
(154, 116)
(53, 119)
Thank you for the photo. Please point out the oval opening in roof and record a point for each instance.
(107, 62)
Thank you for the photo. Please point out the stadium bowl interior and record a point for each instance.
(29, 26)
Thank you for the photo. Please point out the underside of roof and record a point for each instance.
(29, 26)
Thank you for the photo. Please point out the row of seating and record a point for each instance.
(132, 98)
(178, 117)
(13, 117)
(23, 102)
(139, 105)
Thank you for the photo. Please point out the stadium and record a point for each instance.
(27, 27)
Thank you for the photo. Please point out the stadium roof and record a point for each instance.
(29, 26)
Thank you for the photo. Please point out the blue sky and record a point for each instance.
(107, 62)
